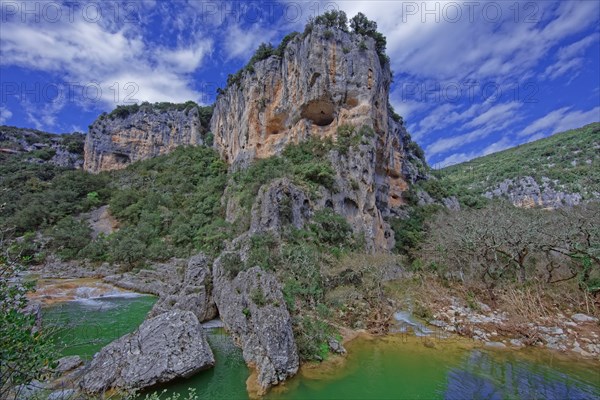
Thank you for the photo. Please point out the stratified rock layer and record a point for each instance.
(114, 142)
(169, 346)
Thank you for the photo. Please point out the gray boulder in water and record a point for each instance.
(253, 309)
(171, 345)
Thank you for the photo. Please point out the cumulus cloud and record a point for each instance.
(116, 58)
(5, 115)
(241, 43)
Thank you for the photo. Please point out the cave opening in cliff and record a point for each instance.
(121, 158)
(320, 112)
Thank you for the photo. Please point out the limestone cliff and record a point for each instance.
(324, 80)
(135, 133)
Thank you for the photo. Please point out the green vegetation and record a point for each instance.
(312, 336)
(304, 163)
(36, 196)
(123, 111)
(494, 244)
(361, 25)
(25, 352)
(169, 205)
(571, 158)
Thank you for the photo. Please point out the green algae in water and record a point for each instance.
(405, 369)
(226, 380)
(83, 327)
(395, 367)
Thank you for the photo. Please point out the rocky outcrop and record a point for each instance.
(527, 193)
(156, 281)
(122, 137)
(253, 309)
(324, 80)
(169, 346)
(179, 284)
(65, 150)
(193, 293)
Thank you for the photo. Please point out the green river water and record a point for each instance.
(394, 367)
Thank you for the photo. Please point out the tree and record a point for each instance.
(333, 19)
(25, 352)
(362, 25)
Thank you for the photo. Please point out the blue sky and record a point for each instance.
(470, 77)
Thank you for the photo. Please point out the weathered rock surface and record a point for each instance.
(159, 280)
(193, 293)
(171, 345)
(114, 142)
(65, 150)
(68, 363)
(324, 81)
(253, 309)
(101, 221)
(526, 192)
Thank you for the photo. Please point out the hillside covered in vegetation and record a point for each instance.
(567, 162)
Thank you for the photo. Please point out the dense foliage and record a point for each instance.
(36, 196)
(25, 352)
(169, 205)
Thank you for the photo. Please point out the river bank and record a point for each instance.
(372, 366)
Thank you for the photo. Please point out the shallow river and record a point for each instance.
(395, 367)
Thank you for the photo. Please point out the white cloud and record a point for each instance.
(457, 158)
(43, 116)
(560, 120)
(497, 118)
(569, 59)
(5, 115)
(104, 54)
(241, 43)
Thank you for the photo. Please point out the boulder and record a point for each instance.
(68, 363)
(583, 318)
(193, 293)
(253, 309)
(169, 346)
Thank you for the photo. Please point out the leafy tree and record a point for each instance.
(69, 236)
(333, 19)
(362, 25)
(25, 351)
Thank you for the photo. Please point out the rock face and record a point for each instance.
(527, 193)
(325, 80)
(253, 309)
(115, 141)
(171, 345)
(64, 150)
(193, 293)
(180, 284)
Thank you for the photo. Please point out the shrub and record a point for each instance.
(69, 236)
(331, 228)
(25, 351)
(333, 19)
(312, 336)
(258, 297)
(232, 264)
